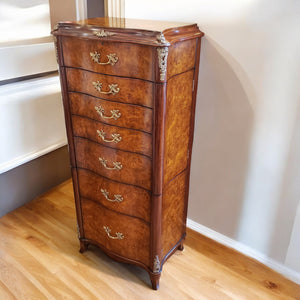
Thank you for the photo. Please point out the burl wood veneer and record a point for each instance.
(129, 91)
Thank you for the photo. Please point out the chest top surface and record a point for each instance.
(133, 24)
(155, 33)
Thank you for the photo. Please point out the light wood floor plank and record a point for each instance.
(39, 259)
(5, 293)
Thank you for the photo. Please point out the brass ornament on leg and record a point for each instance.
(156, 264)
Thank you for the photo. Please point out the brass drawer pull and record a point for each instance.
(118, 198)
(116, 165)
(116, 138)
(115, 114)
(112, 58)
(113, 88)
(119, 235)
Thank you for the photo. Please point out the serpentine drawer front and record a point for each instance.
(120, 197)
(123, 235)
(129, 92)
(118, 165)
(113, 113)
(113, 136)
(134, 91)
(120, 59)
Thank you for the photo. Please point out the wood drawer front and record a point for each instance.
(132, 60)
(135, 233)
(119, 197)
(114, 113)
(133, 168)
(112, 136)
(134, 91)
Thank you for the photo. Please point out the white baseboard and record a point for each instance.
(246, 250)
(29, 156)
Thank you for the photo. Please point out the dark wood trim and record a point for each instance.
(68, 122)
(157, 172)
(158, 137)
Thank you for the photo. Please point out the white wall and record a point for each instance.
(31, 111)
(31, 120)
(63, 10)
(26, 47)
(245, 167)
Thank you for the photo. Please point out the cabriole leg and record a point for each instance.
(83, 246)
(155, 280)
(180, 247)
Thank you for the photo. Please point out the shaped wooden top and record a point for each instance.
(155, 33)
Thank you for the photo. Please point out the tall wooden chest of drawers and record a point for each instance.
(129, 90)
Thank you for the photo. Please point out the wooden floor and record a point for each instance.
(39, 259)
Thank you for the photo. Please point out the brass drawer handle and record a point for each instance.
(115, 114)
(116, 165)
(112, 58)
(118, 198)
(116, 138)
(113, 88)
(119, 235)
